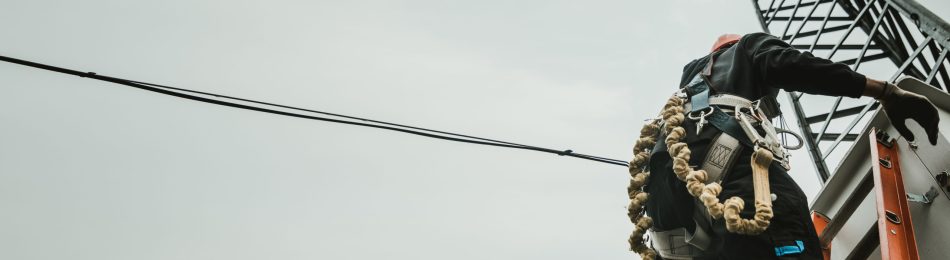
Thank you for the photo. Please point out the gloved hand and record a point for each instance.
(900, 105)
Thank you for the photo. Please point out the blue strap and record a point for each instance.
(728, 124)
(798, 248)
(699, 93)
(700, 101)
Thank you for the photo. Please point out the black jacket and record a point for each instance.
(761, 64)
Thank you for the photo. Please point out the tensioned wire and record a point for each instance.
(218, 99)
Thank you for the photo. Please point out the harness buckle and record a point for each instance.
(701, 117)
(751, 117)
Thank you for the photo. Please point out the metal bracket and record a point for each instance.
(926, 198)
(884, 139)
(943, 179)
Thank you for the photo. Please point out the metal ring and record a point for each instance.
(749, 110)
(702, 113)
(801, 142)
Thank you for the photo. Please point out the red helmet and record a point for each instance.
(725, 40)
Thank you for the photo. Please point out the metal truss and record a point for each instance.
(856, 32)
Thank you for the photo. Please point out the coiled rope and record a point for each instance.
(673, 117)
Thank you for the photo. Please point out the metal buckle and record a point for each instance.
(702, 113)
(701, 117)
(793, 134)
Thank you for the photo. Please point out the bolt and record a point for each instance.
(913, 145)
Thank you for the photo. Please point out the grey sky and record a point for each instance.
(91, 170)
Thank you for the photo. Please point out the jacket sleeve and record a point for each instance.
(779, 65)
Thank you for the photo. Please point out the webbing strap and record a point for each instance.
(671, 244)
(725, 101)
(700, 101)
(719, 119)
(722, 154)
(728, 124)
(698, 91)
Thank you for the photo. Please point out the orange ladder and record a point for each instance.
(894, 224)
(895, 228)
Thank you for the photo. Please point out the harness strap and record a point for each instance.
(723, 101)
(722, 121)
(671, 244)
(728, 124)
(722, 154)
(704, 227)
(700, 99)
(761, 159)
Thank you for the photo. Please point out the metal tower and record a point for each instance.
(889, 37)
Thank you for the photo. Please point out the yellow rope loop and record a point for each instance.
(680, 153)
(761, 160)
(671, 111)
(672, 114)
(763, 214)
(648, 255)
(641, 157)
(674, 136)
(643, 223)
(674, 121)
(710, 199)
(674, 101)
(674, 146)
(708, 194)
(650, 129)
(731, 211)
(736, 224)
(644, 143)
(638, 180)
(637, 200)
(636, 241)
(696, 182)
(639, 160)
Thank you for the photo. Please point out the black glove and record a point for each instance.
(900, 105)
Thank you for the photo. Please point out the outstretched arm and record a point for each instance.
(780, 65)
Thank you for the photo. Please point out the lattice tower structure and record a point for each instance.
(883, 39)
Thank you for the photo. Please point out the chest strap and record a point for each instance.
(724, 101)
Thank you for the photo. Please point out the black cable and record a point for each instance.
(590, 157)
(316, 111)
(384, 125)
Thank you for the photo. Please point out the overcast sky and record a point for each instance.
(92, 170)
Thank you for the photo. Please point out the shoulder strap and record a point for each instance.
(698, 91)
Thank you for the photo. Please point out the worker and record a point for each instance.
(728, 100)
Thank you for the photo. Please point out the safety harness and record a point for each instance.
(743, 124)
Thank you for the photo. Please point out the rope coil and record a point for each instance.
(673, 115)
